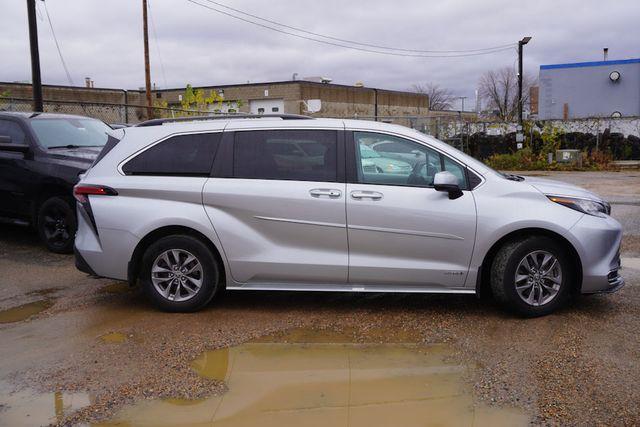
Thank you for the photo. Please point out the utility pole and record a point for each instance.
(36, 81)
(147, 67)
(519, 133)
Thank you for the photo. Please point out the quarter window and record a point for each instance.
(302, 155)
(13, 130)
(183, 155)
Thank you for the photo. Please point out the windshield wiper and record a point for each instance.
(73, 146)
(65, 146)
(512, 177)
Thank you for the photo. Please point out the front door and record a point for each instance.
(402, 232)
(280, 214)
(15, 175)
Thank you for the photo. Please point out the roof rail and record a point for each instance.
(158, 122)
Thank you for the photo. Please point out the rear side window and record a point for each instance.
(13, 130)
(183, 155)
(302, 155)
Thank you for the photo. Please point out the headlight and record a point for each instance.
(590, 207)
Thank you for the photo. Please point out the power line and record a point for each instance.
(55, 39)
(302, 30)
(493, 50)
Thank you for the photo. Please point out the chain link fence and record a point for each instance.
(481, 139)
(108, 113)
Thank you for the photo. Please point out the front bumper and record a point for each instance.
(616, 282)
(598, 245)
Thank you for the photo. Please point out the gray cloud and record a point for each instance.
(104, 40)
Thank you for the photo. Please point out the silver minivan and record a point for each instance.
(188, 208)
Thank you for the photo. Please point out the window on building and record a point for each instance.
(303, 155)
(183, 155)
(260, 110)
(275, 109)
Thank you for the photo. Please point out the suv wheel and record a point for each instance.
(57, 225)
(532, 276)
(179, 273)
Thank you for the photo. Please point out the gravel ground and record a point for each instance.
(579, 366)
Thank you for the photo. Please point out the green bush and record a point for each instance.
(520, 160)
(526, 160)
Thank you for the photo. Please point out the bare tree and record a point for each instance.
(439, 98)
(499, 91)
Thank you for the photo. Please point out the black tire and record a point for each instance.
(503, 275)
(57, 225)
(210, 274)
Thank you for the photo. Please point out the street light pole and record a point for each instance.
(36, 80)
(462, 98)
(521, 43)
(519, 133)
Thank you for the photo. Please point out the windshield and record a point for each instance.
(72, 132)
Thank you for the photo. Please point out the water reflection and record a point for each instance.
(336, 384)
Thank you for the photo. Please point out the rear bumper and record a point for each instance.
(81, 264)
(104, 254)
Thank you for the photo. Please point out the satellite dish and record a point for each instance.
(313, 105)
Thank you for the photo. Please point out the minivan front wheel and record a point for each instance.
(179, 273)
(532, 276)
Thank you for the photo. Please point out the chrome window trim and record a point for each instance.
(154, 143)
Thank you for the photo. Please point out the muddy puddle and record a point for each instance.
(26, 408)
(327, 380)
(116, 288)
(24, 311)
(114, 338)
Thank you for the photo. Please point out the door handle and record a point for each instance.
(328, 192)
(373, 195)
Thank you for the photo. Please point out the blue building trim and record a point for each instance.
(590, 64)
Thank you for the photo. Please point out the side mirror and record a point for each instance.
(446, 181)
(7, 145)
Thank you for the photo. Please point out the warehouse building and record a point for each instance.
(589, 89)
(317, 98)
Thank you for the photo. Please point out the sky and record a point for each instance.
(192, 44)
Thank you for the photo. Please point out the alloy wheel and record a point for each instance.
(538, 278)
(177, 275)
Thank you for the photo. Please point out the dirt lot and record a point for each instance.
(76, 349)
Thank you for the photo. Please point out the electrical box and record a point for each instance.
(573, 157)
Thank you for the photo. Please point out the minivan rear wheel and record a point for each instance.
(532, 276)
(179, 273)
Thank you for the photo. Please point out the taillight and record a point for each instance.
(81, 191)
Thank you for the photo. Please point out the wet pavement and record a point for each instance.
(76, 350)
